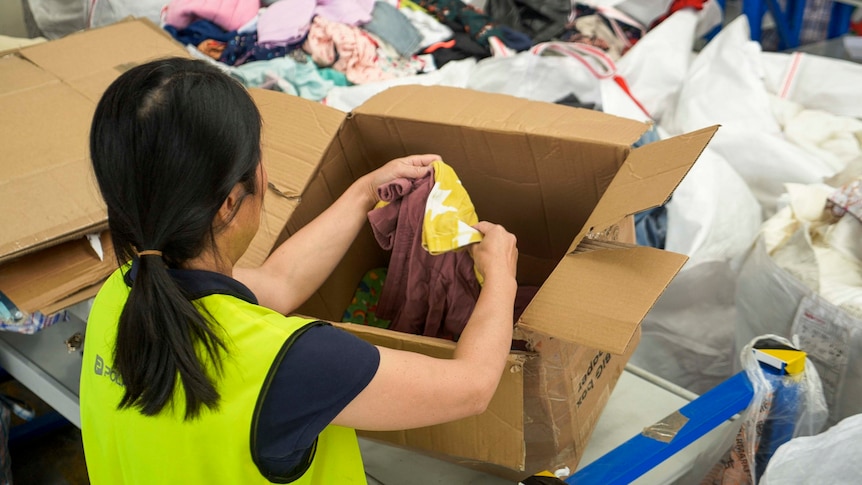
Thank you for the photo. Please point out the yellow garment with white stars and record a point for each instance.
(449, 214)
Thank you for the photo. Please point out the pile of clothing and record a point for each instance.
(332, 42)
(308, 47)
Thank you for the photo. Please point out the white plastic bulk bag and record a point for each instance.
(829, 457)
(453, 73)
(766, 161)
(712, 215)
(816, 82)
(688, 335)
(534, 77)
(791, 285)
(656, 66)
(724, 86)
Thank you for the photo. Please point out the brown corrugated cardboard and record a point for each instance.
(36, 289)
(645, 180)
(566, 182)
(89, 61)
(41, 283)
(290, 162)
(500, 439)
(48, 93)
(47, 96)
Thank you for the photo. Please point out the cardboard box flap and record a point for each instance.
(646, 179)
(295, 135)
(599, 296)
(47, 97)
(17, 74)
(47, 190)
(90, 60)
(499, 112)
(37, 282)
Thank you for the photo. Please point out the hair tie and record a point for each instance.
(150, 252)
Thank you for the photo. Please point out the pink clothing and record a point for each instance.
(227, 14)
(423, 294)
(344, 48)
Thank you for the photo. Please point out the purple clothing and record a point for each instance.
(287, 22)
(350, 12)
(396, 189)
(423, 294)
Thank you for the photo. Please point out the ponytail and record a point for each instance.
(169, 141)
(156, 339)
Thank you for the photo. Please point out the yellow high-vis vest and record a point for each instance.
(127, 447)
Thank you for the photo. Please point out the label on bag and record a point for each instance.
(824, 334)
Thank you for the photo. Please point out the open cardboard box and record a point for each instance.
(562, 180)
(48, 93)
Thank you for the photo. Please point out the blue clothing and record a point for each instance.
(651, 227)
(243, 48)
(394, 28)
(513, 39)
(199, 31)
(287, 75)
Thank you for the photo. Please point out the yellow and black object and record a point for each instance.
(542, 478)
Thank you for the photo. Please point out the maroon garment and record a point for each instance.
(423, 294)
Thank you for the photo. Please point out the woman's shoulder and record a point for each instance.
(228, 306)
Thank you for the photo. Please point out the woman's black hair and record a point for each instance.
(169, 141)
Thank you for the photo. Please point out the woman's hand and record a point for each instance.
(411, 167)
(399, 395)
(496, 255)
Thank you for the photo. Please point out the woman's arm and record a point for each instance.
(412, 390)
(297, 268)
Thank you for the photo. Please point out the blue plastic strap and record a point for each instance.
(754, 10)
(788, 22)
(641, 454)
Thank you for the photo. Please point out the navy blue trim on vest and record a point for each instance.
(197, 283)
(305, 462)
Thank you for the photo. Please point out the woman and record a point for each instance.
(192, 372)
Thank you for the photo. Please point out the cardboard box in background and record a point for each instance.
(50, 201)
(39, 286)
(561, 180)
